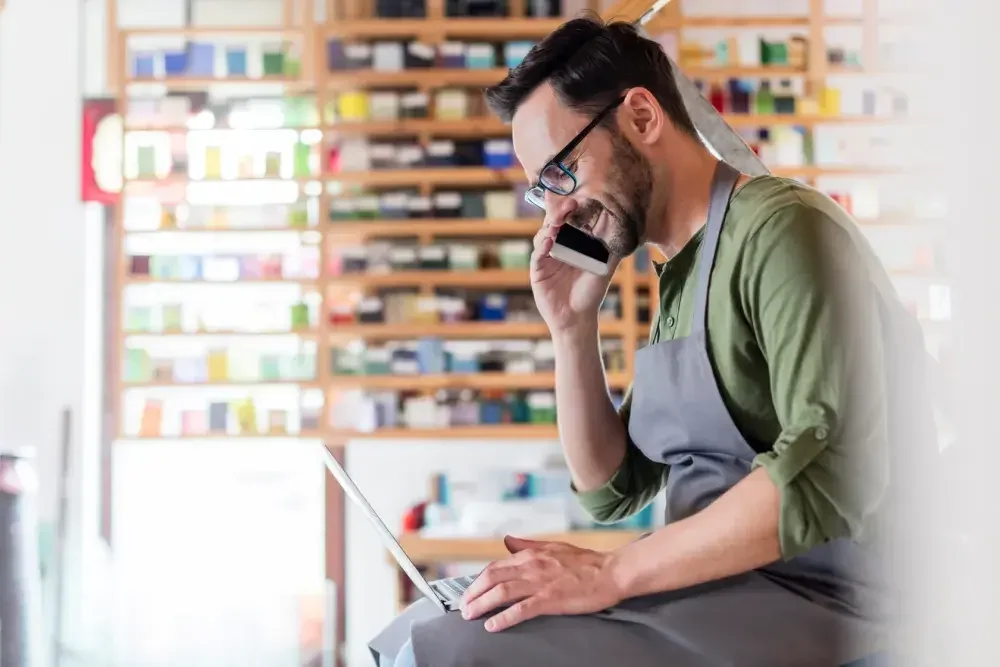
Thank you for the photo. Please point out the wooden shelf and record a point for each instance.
(431, 176)
(149, 280)
(465, 127)
(167, 384)
(439, 227)
(813, 171)
(752, 120)
(432, 551)
(480, 432)
(457, 330)
(714, 73)
(487, 28)
(491, 279)
(482, 279)
(310, 435)
(278, 229)
(183, 179)
(415, 78)
(209, 31)
(304, 333)
(495, 380)
(197, 83)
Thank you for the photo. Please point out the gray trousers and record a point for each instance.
(751, 620)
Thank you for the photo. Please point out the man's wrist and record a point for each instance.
(576, 335)
(622, 571)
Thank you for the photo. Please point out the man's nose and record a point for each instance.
(558, 206)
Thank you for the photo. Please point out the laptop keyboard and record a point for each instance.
(453, 588)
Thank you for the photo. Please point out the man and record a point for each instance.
(765, 404)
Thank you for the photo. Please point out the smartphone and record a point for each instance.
(578, 248)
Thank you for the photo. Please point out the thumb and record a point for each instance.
(515, 544)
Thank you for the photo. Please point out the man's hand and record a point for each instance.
(541, 579)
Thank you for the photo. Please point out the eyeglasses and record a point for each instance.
(555, 176)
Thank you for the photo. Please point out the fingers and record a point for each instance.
(503, 594)
(528, 608)
(515, 544)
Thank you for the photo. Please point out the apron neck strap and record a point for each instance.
(723, 183)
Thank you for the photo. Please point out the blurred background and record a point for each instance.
(244, 229)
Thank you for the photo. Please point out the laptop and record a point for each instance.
(445, 593)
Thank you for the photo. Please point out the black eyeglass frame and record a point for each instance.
(535, 195)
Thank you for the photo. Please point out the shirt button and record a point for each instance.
(670, 321)
(820, 433)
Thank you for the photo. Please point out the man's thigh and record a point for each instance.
(746, 620)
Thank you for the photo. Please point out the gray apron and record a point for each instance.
(811, 610)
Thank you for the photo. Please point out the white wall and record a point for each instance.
(46, 285)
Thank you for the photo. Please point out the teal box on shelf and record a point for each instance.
(236, 61)
(515, 52)
(480, 56)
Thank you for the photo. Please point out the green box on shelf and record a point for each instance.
(302, 366)
(298, 217)
(343, 362)
(172, 317)
(300, 316)
(300, 112)
(300, 159)
(138, 318)
(137, 367)
(270, 367)
(293, 67)
(274, 63)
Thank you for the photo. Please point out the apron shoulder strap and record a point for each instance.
(723, 183)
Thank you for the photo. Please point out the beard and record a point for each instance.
(626, 197)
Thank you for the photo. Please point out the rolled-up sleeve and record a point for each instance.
(633, 486)
(815, 316)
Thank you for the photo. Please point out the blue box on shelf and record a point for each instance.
(491, 412)
(493, 307)
(201, 59)
(498, 154)
(175, 62)
(144, 65)
(430, 355)
(236, 61)
(459, 363)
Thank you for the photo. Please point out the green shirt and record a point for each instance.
(794, 331)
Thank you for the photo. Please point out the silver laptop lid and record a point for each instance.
(384, 533)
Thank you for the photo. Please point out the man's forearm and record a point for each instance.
(592, 433)
(735, 534)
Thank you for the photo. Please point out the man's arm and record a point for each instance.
(611, 478)
(809, 298)
(592, 434)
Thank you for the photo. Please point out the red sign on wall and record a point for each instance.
(101, 173)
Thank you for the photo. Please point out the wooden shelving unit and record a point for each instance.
(353, 21)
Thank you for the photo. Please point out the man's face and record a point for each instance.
(614, 180)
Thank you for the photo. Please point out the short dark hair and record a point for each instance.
(590, 64)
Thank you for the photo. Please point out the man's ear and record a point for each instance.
(642, 119)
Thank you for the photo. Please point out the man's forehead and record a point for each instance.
(542, 126)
